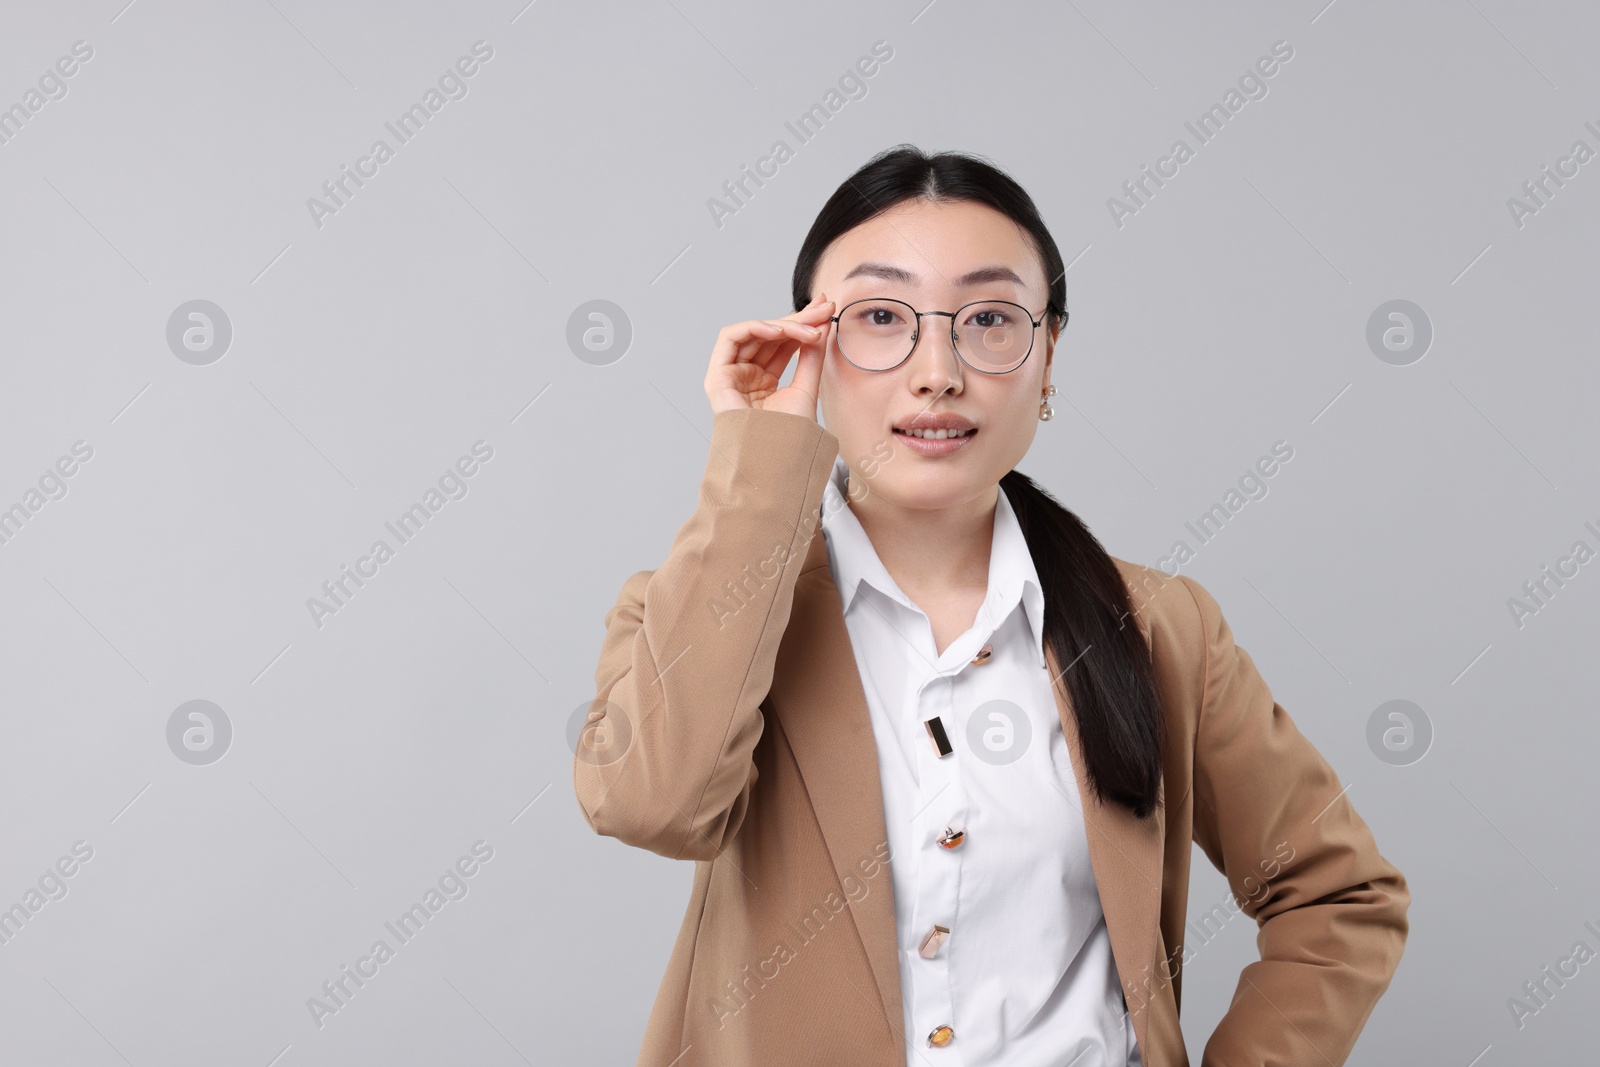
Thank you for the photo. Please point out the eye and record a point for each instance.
(879, 315)
(989, 317)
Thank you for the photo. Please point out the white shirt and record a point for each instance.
(1025, 977)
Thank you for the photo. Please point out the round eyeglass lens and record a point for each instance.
(993, 335)
(876, 334)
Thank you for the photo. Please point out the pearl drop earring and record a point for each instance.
(1046, 412)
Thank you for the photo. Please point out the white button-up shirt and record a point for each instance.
(1025, 977)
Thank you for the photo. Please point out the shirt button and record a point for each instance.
(935, 938)
(940, 1036)
(984, 653)
(952, 838)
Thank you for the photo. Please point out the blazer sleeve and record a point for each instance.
(1330, 910)
(665, 759)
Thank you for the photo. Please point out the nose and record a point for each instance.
(935, 369)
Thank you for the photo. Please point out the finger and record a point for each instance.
(740, 335)
(812, 335)
(773, 357)
(801, 331)
(773, 352)
(809, 355)
(774, 340)
(815, 314)
(798, 332)
(808, 370)
(742, 339)
(750, 349)
(817, 341)
(819, 314)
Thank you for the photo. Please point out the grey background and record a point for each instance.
(431, 312)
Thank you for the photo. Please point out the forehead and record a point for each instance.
(927, 245)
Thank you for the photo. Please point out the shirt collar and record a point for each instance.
(1012, 575)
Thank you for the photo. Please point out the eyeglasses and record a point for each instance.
(990, 336)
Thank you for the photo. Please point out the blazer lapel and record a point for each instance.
(830, 734)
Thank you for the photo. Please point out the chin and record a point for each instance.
(933, 490)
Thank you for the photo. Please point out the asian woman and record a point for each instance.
(941, 768)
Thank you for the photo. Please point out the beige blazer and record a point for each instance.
(730, 728)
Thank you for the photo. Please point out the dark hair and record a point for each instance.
(1110, 679)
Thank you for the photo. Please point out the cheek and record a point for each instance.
(855, 407)
(1015, 405)
(830, 370)
(1019, 421)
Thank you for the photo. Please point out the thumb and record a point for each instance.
(808, 368)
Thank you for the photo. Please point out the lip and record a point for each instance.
(935, 421)
(924, 447)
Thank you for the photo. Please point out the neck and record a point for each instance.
(931, 551)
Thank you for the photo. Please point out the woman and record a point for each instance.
(939, 793)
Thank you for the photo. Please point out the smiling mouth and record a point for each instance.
(935, 435)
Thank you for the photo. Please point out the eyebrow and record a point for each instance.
(889, 272)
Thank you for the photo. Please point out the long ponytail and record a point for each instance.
(1107, 667)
